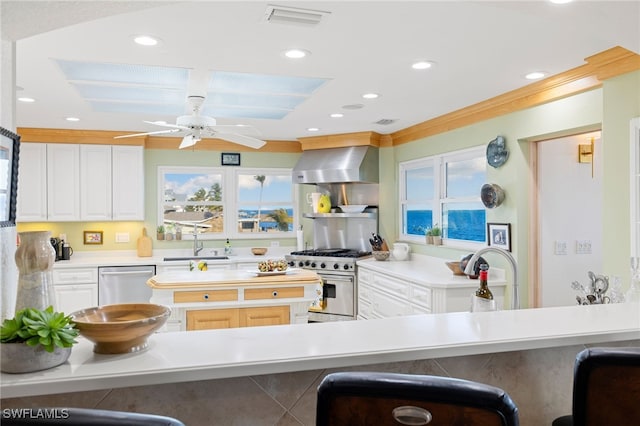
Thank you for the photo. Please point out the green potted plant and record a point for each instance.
(35, 339)
(436, 233)
(160, 233)
(429, 236)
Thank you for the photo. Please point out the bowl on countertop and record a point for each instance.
(259, 251)
(380, 255)
(455, 268)
(120, 328)
(353, 208)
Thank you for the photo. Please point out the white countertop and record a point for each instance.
(212, 354)
(90, 259)
(429, 270)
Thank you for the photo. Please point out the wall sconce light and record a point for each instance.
(586, 153)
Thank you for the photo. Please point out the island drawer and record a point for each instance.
(205, 296)
(75, 275)
(273, 293)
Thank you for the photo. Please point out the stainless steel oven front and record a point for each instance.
(338, 298)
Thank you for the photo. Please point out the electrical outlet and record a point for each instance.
(122, 237)
(275, 243)
(583, 247)
(560, 248)
(63, 237)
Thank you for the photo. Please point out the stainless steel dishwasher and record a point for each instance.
(124, 284)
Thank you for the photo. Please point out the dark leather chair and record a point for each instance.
(606, 388)
(385, 399)
(62, 416)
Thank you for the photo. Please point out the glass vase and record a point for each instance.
(34, 258)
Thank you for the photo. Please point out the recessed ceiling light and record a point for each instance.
(370, 95)
(422, 65)
(560, 1)
(296, 53)
(535, 75)
(336, 115)
(353, 106)
(72, 119)
(313, 129)
(25, 99)
(145, 40)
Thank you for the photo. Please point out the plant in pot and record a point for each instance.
(35, 340)
(160, 233)
(436, 233)
(429, 236)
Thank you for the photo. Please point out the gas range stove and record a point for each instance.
(329, 260)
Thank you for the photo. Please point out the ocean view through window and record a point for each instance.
(443, 191)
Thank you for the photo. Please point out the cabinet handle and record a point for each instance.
(275, 293)
(206, 296)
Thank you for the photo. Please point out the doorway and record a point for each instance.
(569, 216)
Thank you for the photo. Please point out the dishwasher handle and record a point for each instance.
(147, 272)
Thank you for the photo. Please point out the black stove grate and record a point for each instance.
(332, 253)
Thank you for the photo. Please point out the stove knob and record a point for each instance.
(300, 264)
(345, 267)
(313, 264)
(323, 265)
(306, 263)
(292, 263)
(336, 266)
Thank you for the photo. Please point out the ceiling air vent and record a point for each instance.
(293, 15)
(385, 121)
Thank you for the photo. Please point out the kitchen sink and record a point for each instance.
(171, 259)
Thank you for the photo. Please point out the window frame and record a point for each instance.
(440, 198)
(230, 202)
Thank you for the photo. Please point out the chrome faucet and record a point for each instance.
(515, 297)
(196, 247)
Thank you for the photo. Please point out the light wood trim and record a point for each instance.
(607, 64)
(89, 137)
(260, 316)
(209, 144)
(340, 140)
(205, 296)
(213, 319)
(273, 293)
(534, 291)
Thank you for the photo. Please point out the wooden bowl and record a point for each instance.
(120, 328)
(455, 268)
(259, 251)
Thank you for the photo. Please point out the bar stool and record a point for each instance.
(63, 416)
(390, 399)
(606, 388)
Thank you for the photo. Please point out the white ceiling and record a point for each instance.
(481, 49)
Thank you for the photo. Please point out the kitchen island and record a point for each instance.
(235, 298)
(268, 375)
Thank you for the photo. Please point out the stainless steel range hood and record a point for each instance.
(338, 165)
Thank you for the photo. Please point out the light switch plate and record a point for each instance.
(122, 237)
(583, 247)
(275, 243)
(560, 248)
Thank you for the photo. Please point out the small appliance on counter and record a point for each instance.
(57, 247)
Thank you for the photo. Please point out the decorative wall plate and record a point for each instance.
(497, 152)
(492, 195)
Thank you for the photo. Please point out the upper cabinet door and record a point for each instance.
(128, 182)
(32, 183)
(63, 187)
(95, 182)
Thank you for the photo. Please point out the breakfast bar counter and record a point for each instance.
(213, 354)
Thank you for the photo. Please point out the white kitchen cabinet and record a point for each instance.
(63, 188)
(75, 289)
(128, 182)
(95, 183)
(32, 178)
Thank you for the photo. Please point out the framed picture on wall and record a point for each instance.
(230, 159)
(499, 235)
(9, 155)
(93, 237)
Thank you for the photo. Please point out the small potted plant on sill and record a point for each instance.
(35, 340)
(168, 233)
(436, 233)
(429, 236)
(160, 233)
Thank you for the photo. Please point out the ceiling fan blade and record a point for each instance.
(188, 141)
(234, 128)
(159, 132)
(241, 139)
(163, 124)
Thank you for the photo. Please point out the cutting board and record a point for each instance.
(144, 244)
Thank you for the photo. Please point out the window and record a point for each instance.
(444, 190)
(226, 202)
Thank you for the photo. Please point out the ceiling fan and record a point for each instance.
(197, 126)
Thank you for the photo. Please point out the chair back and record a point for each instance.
(391, 399)
(606, 387)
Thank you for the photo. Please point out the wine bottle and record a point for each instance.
(484, 291)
